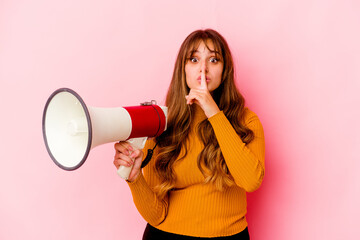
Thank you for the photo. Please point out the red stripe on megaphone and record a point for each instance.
(147, 121)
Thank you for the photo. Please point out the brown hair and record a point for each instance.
(210, 161)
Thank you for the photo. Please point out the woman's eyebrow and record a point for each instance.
(211, 51)
(214, 51)
(195, 51)
(192, 52)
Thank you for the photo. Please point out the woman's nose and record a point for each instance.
(203, 66)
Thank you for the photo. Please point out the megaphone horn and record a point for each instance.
(71, 129)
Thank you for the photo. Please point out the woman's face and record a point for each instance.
(204, 59)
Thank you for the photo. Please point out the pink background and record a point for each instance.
(298, 65)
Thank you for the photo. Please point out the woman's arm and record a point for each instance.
(152, 209)
(246, 163)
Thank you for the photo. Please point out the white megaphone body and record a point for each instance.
(71, 129)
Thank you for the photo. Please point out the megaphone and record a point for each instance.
(71, 129)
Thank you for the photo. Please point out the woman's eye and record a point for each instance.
(214, 60)
(193, 59)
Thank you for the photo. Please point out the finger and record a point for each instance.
(203, 84)
(123, 147)
(120, 162)
(136, 153)
(194, 95)
(126, 158)
(137, 164)
(190, 99)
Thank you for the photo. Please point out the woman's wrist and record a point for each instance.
(211, 112)
(133, 179)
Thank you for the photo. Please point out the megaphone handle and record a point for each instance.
(124, 172)
(137, 143)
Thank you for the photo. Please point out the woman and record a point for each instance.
(211, 154)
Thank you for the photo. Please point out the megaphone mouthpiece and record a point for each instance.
(76, 126)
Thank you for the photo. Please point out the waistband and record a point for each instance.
(152, 233)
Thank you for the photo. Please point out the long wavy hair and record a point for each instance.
(210, 161)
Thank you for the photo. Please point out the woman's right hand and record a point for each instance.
(128, 156)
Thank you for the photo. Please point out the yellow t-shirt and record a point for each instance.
(196, 209)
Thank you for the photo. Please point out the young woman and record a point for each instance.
(211, 154)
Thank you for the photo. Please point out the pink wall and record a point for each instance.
(298, 65)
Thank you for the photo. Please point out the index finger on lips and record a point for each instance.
(203, 84)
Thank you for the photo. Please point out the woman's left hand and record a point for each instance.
(202, 97)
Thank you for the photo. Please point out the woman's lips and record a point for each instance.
(207, 79)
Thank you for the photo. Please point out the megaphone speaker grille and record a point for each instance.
(67, 129)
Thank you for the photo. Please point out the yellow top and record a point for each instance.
(196, 209)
